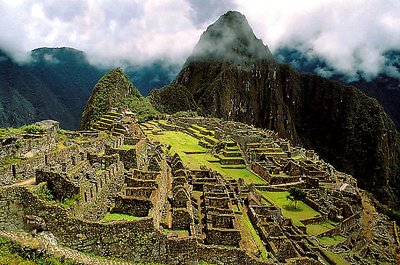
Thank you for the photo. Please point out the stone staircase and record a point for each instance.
(206, 137)
(230, 157)
(110, 122)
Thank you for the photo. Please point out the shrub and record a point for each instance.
(33, 129)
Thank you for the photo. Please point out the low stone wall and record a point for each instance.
(231, 161)
(343, 227)
(227, 256)
(314, 220)
(332, 232)
(24, 170)
(220, 236)
(58, 183)
(283, 179)
(134, 206)
(311, 203)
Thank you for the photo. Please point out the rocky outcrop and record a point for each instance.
(347, 128)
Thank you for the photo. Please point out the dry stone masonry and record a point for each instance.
(115, 190)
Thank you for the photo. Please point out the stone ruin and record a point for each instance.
(180, 215)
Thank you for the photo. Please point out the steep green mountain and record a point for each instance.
(346, 127)
(54, 85)
(25, 98)
(114, 90)
(68, 74)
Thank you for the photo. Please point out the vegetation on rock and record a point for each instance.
(115, 90)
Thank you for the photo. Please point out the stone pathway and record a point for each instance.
(25, 182)
(367, 217)
(49, 245)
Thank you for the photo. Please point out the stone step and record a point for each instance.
(231, 161)
(231, 153)
(230, 144)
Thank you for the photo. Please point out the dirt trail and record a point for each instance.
(25, 182)
(367, 217)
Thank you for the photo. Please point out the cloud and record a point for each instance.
(352, 36)
(110, 32)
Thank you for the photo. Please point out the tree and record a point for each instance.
(295, 195)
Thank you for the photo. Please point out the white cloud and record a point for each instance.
(351, 35)
(110, 32)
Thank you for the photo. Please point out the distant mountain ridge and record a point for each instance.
(348, 129)
(57, 83)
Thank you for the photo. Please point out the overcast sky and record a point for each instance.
(350, 34)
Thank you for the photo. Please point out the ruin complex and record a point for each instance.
(217, 195)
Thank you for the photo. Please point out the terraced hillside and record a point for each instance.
(181, 190)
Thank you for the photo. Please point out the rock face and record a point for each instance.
(110, 91)
(346, 127)
(385, 87)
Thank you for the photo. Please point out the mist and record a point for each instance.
(351, 36)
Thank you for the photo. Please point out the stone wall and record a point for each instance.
(58, 183)
(133, 206)
(261, 171)
(128, 157)
(11, 214)
(228, 256)
(314, 220)
(221, 236)
(25, 144)
(134, 240)
(181, 219)
(141, 154)
(24, 170)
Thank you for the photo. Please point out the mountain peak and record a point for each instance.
(232, 39)
(111, 90)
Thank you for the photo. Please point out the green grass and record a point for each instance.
(116, 217)
(31, 128)
(329, 241)
(181, 142)
(321, 227)
(68, 203)
(254, 235)
(338, 258)
(303, 211)
(126, 147)
(296, 157)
